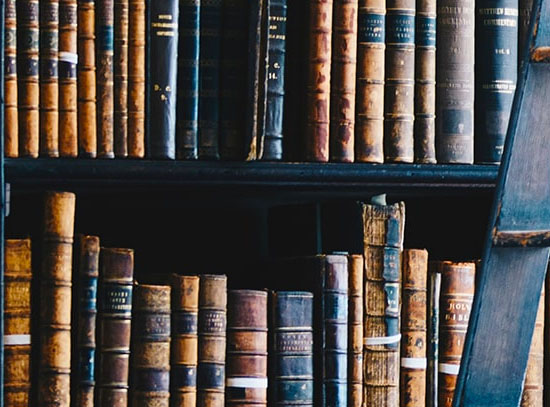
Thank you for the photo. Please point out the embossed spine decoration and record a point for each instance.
(151, 346)
(525, 7)
(454, 134)
(355, 331)
(433, 334)
(11, 128)
(17, 323)
(318, 81)
(120, 77)
(424, 86)
(212, 340)
(185, 309)
(383, 243)
(114, 326)
(369, 133)
(136, 79)
(414, 327)
(55, 301)
(496, 77)
(457, 294)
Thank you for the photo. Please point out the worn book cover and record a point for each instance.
(136, 78)
(355, 330)
(120, 77)
(11, 125)
(434, 287)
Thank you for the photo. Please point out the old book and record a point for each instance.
(86, 85)
(318, 81)
(136, 79)
(114, 325)
(434, 281)
(457, 295)
(185, 310)
(11, 125)
(120, 78)
(383, 227)
(399, 77)
(414, 343)
(86, 289)
(55, 300)
(371, 37)
(355, 330)
(524, 19)
(187, 126)
(424, 85)
(151, 346)
(246, 373)
(17, 323)
(212, 340)
(454, 134)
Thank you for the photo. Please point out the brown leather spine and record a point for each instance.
(121, 78)
(344, 60)
(457, 294)
(413, 328)
(55, 300)
(17, 322)
(355, 330)
(11, 128)
(136, 79)
(318, 82)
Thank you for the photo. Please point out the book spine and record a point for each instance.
(497, 47)
(17, 323)
(105, 92)
(86, 87)
(162, 66)
(457, 294)
(433, 334)
(188, 81)
(114, 318)
(136, 79)
(212, 340)
(86, 321)
(246, 377)
(151, 346)
(120, 77)
(55, 300)
(414, 328)
(209, 77)
(355, 331)
(424, 87)
(369, 139)
(185, 310)
(454, 138)
(11, 127)
(525, 7)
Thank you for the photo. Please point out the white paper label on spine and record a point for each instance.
(414, 363)
(68, 57)
(250, 382)
(17, 339)
(382, 340)
(448, 368)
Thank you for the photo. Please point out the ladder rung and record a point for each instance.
(521, 238)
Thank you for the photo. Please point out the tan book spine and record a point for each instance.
(55, 300)
(11, 127)
(355, 330)
(121, 78)
(17, 322)
(414, 328)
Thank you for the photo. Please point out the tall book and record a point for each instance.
(246, 376)
(457, 295)
(120, 77)
(414, 343)
(454, 135)
(355, 330)
(86, 289)
(496, 77)
(212, 340)
(185, 310)
(371, 37)
(114, 325)
(151, 346)
(17, 323)
(187, 126)
(318, 81)
(136, 79)
(342, 88)
(434, 281)
(55, 300)
(383, 227)
(525, 7)
(11, 125)
(399, 87)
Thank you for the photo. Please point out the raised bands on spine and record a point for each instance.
(120, 78)
(11, 125)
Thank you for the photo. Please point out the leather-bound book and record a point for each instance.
(457, 295)
(433, 333)
(371, 37)
(162, 53)
(11, 125)
(355, 330)
(424, 85)
(151, 346)
(185, 310)
(86, 288)
(187, 126)
(525, 7)
(86, 86)
(496, 76)
(413, 328)
(454, 134)
(383, 242)
(114, 325)
(120, 78)
(212, 340)
(136, 79)
(54, 372)
(246, 373)
(17, 323)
